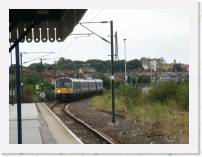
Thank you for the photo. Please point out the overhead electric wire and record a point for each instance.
(96, 34)
(71, 42)
(36, 58)
(64, 47)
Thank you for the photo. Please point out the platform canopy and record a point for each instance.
(48, 24)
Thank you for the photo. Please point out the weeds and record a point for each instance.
(164, 110)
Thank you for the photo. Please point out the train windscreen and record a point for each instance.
(62, 84)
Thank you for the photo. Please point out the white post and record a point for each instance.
(125, 59)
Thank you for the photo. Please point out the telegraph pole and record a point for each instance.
(41, 75)
(21, 74)
(112, 58)
(116, 47)
(55, 70)
(18, 84)
(112, 69)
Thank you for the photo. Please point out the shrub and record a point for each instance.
(132, 96)
(183, 96)
(163, 92)
(49, 91)
(143, 79)
(28, 93)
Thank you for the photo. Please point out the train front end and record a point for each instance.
(63, 89)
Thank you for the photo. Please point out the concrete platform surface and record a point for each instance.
(39, 126)
(60, 132)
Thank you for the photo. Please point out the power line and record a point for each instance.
(81, 31)
(71, 42)
(36, 58)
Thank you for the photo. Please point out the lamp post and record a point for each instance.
(125, 59)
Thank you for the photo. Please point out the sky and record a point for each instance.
(152, 33)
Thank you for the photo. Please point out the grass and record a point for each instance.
(159, 118)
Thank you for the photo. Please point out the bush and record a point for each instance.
(183, 96)
(163, 92)
(130, 95)
(149, 110)
(171, 92)
(143, 79)
(49, 91)
(28, 92)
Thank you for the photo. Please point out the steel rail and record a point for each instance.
(97, 133)
(94, 131)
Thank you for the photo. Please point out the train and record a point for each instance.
(72, 88)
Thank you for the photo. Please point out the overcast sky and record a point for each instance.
(150, 33)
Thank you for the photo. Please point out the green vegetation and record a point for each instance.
(30, 93)
(162, 111)
(99, 65)
(143, 79)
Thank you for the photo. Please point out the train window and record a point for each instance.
(78, 86)
(59, 84)
(67, 84)
(90, 85)
(63, 84)
(74, 85)
(86, 85)
(95, 85)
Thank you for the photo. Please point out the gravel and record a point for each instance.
(122, 132)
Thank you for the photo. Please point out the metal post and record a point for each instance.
(75, 71)
(116, 47)
(125, 59)
(41, 75)
(21, 74)
(112, 69)
(12, 96)
(55, 70)
(18, 84)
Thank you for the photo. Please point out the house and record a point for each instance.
(152, 64)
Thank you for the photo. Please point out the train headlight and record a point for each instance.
(58, 91)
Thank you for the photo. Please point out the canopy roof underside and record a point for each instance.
(49, 24)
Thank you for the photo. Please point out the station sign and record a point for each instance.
(37, 87)
(12, 92)
(42, 95)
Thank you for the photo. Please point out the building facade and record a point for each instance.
(152, 64)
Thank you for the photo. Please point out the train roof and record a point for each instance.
(79, 80)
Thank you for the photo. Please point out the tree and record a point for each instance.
(177, 67)
(134, 64)
(36, 67)
(143, 79)
(12, 69)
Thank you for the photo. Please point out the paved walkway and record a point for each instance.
(39, 126)
(60, 132)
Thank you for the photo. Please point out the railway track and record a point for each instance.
(83, 131)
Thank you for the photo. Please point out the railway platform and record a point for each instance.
(39, 126)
